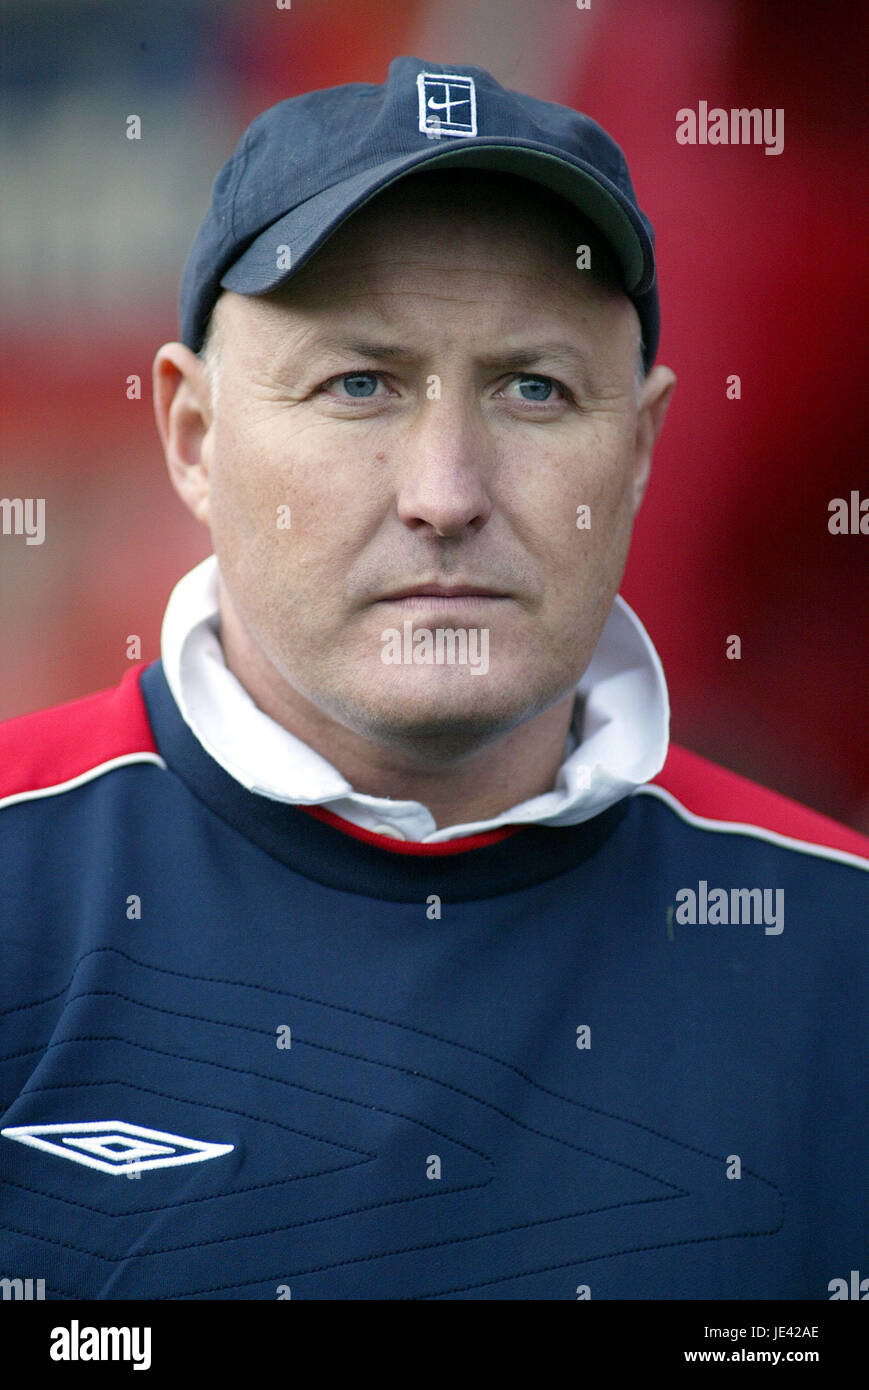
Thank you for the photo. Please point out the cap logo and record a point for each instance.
(447, 104)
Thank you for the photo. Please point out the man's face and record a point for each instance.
(432, 398)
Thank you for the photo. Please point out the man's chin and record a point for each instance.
(437, 716)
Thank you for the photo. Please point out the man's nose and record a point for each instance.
(445, 470)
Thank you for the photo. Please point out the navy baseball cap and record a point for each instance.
(307, 164)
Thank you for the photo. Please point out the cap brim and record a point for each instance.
(304, 230)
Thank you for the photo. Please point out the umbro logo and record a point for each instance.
(112, 1146)
(447, 104)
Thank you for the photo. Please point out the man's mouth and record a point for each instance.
(445, 595)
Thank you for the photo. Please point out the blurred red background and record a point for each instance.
(762, 269)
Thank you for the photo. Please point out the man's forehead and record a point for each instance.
(515, 329)
(364, 300)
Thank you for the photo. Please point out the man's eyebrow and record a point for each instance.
(361, 347)
(568, 353)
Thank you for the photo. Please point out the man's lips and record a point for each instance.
(443, 593)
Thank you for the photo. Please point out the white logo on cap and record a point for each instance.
(447, 104)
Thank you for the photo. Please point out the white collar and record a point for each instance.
(620, 743)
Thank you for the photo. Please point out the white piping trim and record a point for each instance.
(741, 828)
(83, 777)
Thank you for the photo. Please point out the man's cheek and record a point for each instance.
(241, 499)
(255, 511)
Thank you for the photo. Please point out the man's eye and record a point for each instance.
(539, 389)
(356, 384)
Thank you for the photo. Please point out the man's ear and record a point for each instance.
(654, 400)
(182, 407)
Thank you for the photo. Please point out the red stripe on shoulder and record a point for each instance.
(370, 837)
(55, 745)
(713, 792)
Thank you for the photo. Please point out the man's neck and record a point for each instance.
(500, 774)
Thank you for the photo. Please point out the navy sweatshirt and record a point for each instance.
(250, 1051)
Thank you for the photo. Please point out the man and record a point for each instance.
(373, 930)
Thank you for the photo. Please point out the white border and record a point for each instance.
(758, 832)
(55, 790)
